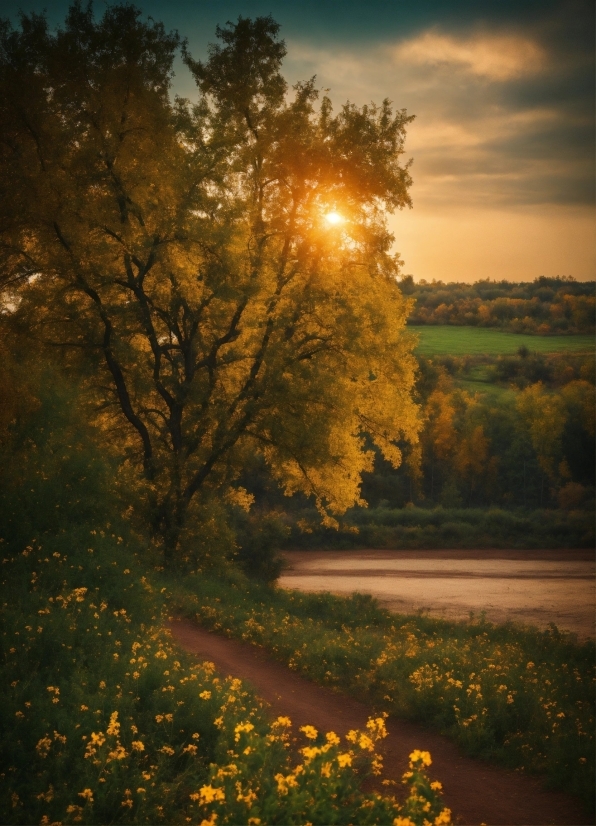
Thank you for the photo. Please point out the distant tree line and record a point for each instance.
(544, 306)
(520, 444)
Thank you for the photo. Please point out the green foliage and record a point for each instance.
(448, 527)
(260, 537)
(462, 341)
(519, 696)
(544, 306)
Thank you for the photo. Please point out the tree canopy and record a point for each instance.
(185, 254)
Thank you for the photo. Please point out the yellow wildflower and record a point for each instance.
(436, 786)
(310, 732)
(205, 695)
(326, 770)
(332, 738)
(242, 727)
(282, 722)
(366, 743)
(87, 794)
(344, 759)
(403, 821)
(443, 817)
(114, 727)
(207, 794)
(310, 752)
(138, 745)
(119, 753)
(420, 756)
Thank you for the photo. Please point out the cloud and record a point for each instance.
(496, 57)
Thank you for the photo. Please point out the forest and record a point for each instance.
(547, 305)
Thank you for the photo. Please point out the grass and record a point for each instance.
(442, 527)
(516, 695)
(104, 721)
(463, 341)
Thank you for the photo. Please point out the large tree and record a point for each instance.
(223, 267)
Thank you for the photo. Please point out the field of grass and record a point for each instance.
(519, 696)
(462, 341)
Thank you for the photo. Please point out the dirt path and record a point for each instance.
(475, 792)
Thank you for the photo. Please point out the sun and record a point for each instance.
(333, 218)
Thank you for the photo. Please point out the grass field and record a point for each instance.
(462, 341)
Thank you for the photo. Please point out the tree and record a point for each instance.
(182, 252)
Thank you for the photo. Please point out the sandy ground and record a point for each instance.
(528, 587)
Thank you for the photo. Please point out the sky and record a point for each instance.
(503, 97)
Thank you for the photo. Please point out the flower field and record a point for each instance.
(103, 721)
(519, 696)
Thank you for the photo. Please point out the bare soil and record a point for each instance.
(529, 587)
(477, 793)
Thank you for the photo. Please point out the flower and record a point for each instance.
(242, 727)
(87, 794)
(310, 732)
(205, 695)
(114, 726)
(344, 759)
(332, 738)
(207, 794)
(420, 756)
(138, 745)
(444, 817)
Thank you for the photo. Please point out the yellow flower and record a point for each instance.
(209, 822)
(420, 756)
(207, 794)
(310, 752)
(326, 770)
(254, 821)
(344, 759)
(366, 743)
(205, 695)
(282, 722)
(138, 745)
(241, 727)
(285, 783)
(436, 786)
(332, 738)
(87, 794)
(310, 732)
(443, 817)
(119, 753)
(167, 750)
(190, 749)
(114, 727)
(102, 684)
(84, 708)
(403, 821)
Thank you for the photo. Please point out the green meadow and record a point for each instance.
(444, 339)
